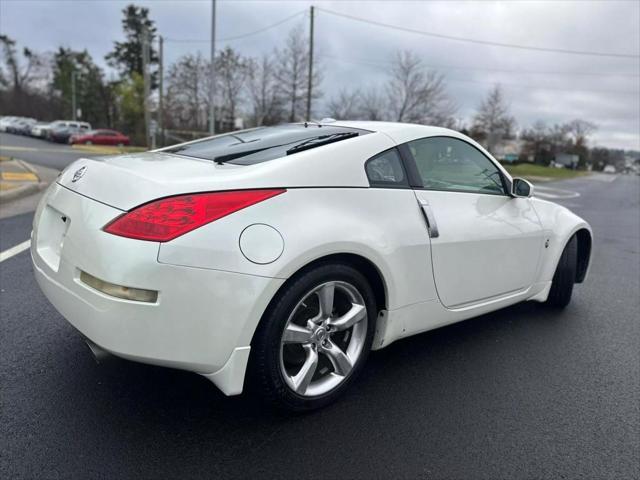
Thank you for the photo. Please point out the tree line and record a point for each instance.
(264, 90)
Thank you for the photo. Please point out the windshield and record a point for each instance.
(248, 147)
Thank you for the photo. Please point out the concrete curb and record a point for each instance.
(21, 191)
(28, 167)
(26, 189)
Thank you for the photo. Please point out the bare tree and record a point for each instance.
(372, 105)
(17, 74)
(579, 131)
(231, 73)
(187, 95)
(266, 103)
(417, 95)
(292, 70)
(558, 137)
(537, 142)
(345, 106)
(492, 121)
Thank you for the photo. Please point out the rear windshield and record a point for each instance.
(258, 145)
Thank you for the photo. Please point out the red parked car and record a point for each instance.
(100, 137)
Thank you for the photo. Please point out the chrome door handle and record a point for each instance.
(432, 226)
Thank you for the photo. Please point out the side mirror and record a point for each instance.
(520, 188)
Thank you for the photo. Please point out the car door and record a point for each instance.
(485, 244)
(111, 137)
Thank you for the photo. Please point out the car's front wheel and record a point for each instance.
(564, 276)
(314, 338)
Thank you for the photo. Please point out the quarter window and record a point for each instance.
(446, 163)
(385, 170)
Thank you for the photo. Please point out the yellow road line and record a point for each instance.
(108, 149)
(96, 149)
(19, 176)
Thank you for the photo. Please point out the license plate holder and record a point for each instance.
(52, 230)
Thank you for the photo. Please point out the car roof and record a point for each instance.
(405, 132)
(398, 132)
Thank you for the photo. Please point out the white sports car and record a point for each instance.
(284, 254)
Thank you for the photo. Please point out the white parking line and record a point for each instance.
(553, 193)
(601, 177)
(13, 251)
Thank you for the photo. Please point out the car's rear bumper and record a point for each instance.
(202, 318)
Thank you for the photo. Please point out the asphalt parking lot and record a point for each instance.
(521, 393)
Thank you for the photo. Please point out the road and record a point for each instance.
(39, 152)
(520, 393)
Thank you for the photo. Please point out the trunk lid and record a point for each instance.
(126, 181)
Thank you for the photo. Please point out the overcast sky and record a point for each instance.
(553, 87)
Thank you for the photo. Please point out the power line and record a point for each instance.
(237, 37)
(375, 62)
(514, 85)
(477, 41)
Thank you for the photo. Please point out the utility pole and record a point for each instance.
(145, 75)
(212, 79)
(310, 79)
(160, 88)
(73, 95)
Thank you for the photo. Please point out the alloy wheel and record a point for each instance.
(323, 338)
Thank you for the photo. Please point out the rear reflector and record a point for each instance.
(165, 219)
(113, 290)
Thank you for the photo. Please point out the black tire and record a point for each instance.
(565, 276)
(265, 374)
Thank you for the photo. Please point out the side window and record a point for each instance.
(385, 170)
(446, 163)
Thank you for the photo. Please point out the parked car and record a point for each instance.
(45, 131)
(21, 126)
(62, 132)
(609, 169)
(5, 122)
(100, 137)
(291, 251)
(40, 129)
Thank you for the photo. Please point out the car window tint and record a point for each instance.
(248, 147)
(385, 169)
(446, 163)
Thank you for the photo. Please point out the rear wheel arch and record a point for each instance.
(365, 266)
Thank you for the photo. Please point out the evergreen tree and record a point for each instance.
(127, 56)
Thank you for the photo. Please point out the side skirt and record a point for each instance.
(429, 315)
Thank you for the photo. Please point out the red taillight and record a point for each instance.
(165, 219)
